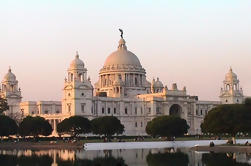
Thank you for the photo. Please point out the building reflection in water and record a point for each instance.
(136, 157)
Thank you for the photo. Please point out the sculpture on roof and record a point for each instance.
(121, 33)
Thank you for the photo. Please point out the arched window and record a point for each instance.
(176, 110)
(71, 77)
(83, 107)
(140, 79)
(136, 81)
(12, 88)
(80, 77)
(69, 107)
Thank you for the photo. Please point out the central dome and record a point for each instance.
(122, 57)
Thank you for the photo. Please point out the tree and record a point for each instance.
(228, 119)
(7, 126)
(247, 101)
(34, 126)
(107, 125)
(167, 126)
(74, 126)
(3, 105)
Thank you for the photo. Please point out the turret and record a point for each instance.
(11, 92)
(231, 93)
(78, 90)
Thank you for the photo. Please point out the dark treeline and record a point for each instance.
(229, 119)
(74, 126)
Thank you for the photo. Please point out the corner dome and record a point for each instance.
(231, 76)
(122, 57)
(77, 63)
(158, 84)
(10, 77)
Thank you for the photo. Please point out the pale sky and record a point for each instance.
(192, 43)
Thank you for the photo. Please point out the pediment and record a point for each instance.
(68, 87)
(83, 87)
(13, 96)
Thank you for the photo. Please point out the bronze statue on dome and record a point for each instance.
(121, 33)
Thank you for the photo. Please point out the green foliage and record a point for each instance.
(3, 105)
(167, 126)
(34, 126)
(7, 126)
(167, 159)
(107, 125)
(220, 159)
(247, 101)
(74, 126)
(231, 119)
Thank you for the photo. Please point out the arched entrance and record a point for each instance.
(176, 110)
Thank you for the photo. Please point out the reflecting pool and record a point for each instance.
(132, 157)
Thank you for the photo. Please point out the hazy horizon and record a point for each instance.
(190, 43)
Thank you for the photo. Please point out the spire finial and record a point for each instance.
(231, 68)
(9, 69)
(77, 55)
(122, 41)
(121, 33)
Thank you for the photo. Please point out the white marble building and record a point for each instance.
(122, 91)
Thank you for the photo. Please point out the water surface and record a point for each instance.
(130, 157)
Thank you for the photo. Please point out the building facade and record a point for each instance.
(122, 90)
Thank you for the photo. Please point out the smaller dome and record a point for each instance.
(231, 76)
(10, 77)
(158, 84)
(77, 63)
